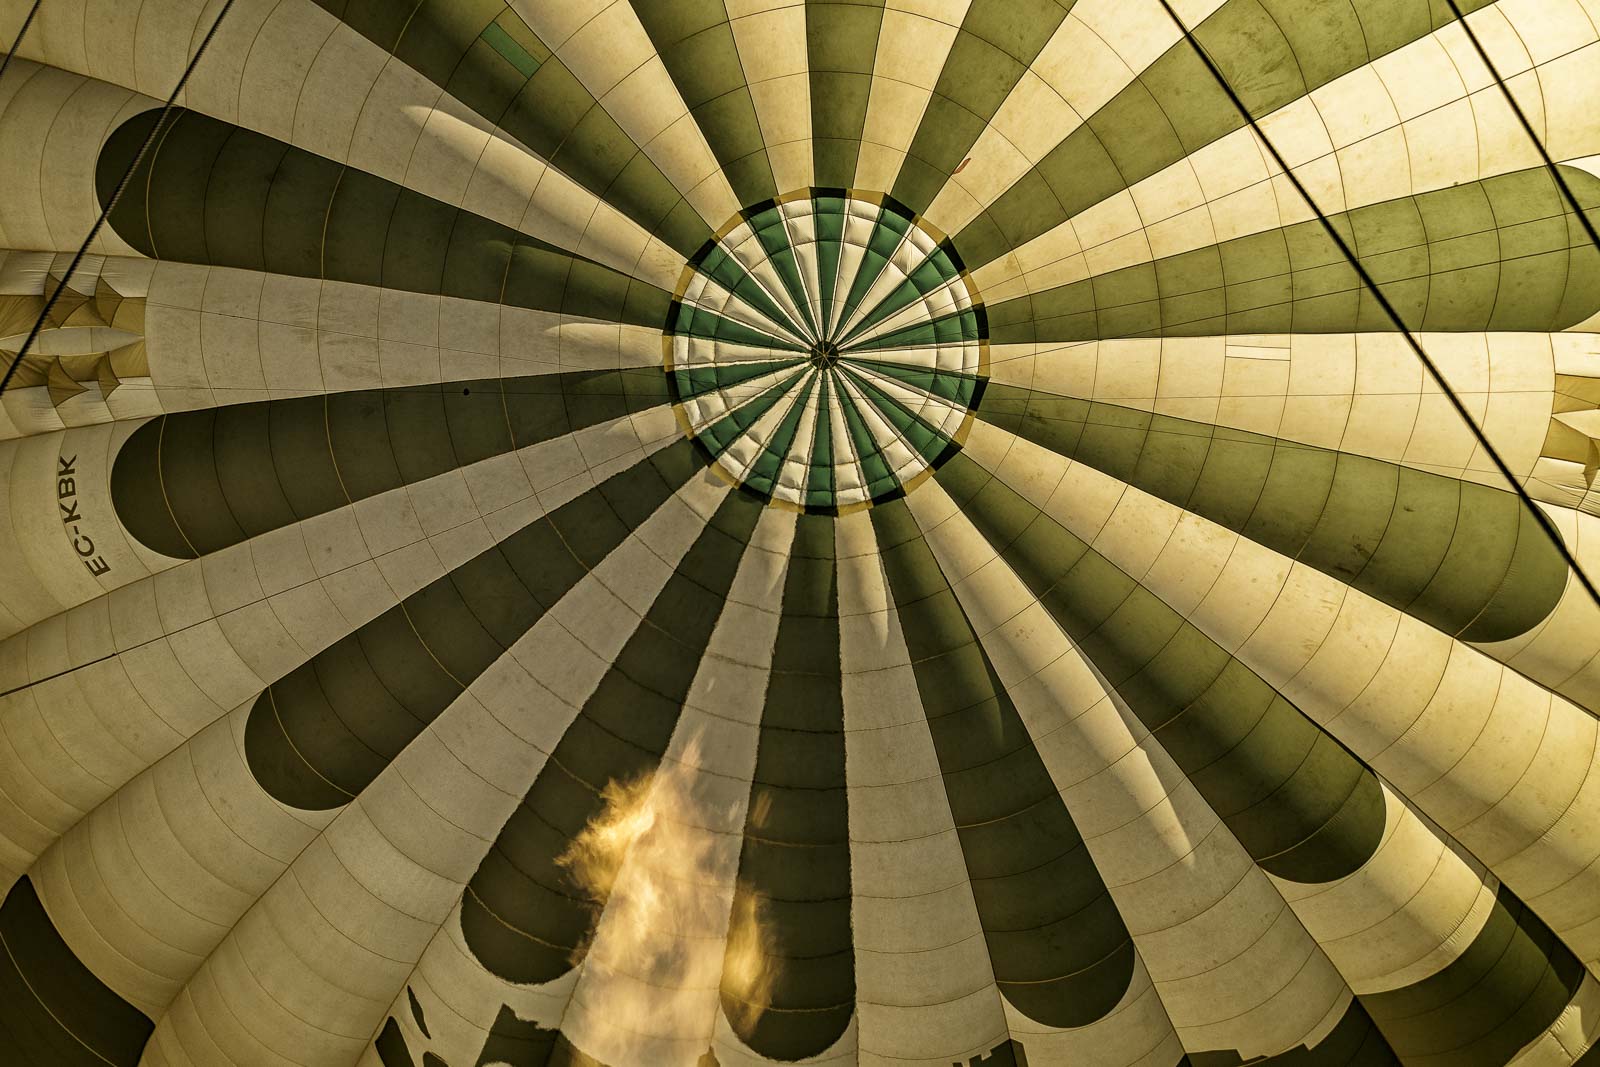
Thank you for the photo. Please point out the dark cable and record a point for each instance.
(1543, 520)
(116, 195)
(16, 44)
(1527, 126)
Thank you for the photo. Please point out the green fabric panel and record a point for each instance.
(198, 504)
(136, 495)
(1272, 52)
(178, 180)
(524, 916)
(908, 291)
(773, 234)
(796, 858)
(324, 220)
(695, 41)
(764, 473)
(1501, 254)
(995, 45)
(712, 261)
(1465, 558)
(1304, 808)
(877, 410)
(1060, 952)
(716, 438)
(192, 483)
(916, 431)
(521, 1043)
(829, 218)
(891, 226)
(318, 736)
(1355, 1041)
(928, 276)
(880, 478)
(511, 50)
(959, 388)
(481, 52)
(820, 484)
(687, 384)
(1501, 993)
(697, 322)
(53, 1010)
(391, 1046)
(948, 329)
(841, 49)
(437, 35)
(235, 216)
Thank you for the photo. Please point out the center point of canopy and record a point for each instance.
(826, 350)
(824, 354)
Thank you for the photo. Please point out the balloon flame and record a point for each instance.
(665, 938)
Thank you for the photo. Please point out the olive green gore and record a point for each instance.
(694, 533)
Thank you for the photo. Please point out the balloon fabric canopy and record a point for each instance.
(727, 533)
